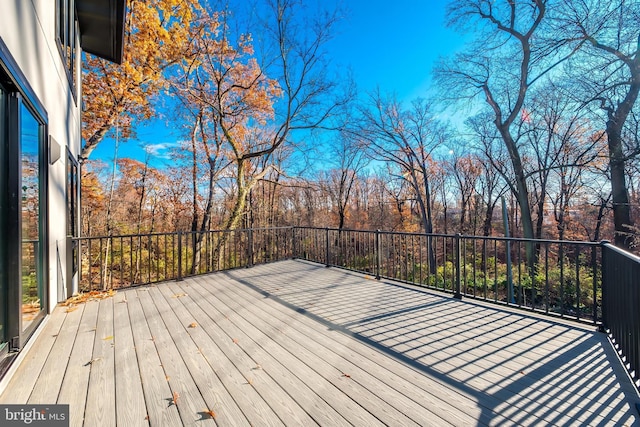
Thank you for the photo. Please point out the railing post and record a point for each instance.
(179, 278)
(605, 322)
(326, 251)
(457, 293)
(378, 254)
(294, 252)
(250, 247)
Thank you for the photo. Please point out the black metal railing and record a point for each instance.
(584, 281)
(560, 278)
(621, 305)
(116, 262)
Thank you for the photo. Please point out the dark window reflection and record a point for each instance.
(30, 198)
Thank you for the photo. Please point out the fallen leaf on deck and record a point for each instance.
(110, 337)
(175, 397)
(70, 309)
(88, 296)
(346, 375)
(92, 361)
(235, 340)
(210, 413)
(167, 377)
(193, 325)
(179, 295)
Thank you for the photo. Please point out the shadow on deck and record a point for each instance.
(296, 343)
(519, 369)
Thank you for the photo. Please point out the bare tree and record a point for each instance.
(349, 161)
(507, 58)
(608, 72)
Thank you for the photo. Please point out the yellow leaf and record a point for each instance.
(110, 337)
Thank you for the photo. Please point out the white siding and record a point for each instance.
(28, 28)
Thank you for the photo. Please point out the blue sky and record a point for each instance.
(390, 45)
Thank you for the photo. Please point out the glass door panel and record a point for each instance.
(32, 286)
(3, 200)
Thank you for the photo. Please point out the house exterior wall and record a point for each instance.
(28, 29)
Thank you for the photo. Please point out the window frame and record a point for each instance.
(67, 30)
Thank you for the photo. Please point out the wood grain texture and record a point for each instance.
(47, 386)
(184, 391)
(130, 406)
(154, 378)
(77, 375)
(101, 405)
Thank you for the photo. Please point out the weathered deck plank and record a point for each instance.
(101, 408)
(475, 361)
(280, 389)
(295, 343)
(130, 405)
(362, 361)
(364, 389)
(213, 390)
(232, 365)
(47, 386)
(185, 394)
(77, 375)
(154, 379)
(304, 385)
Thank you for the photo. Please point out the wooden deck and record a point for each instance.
(298, 344)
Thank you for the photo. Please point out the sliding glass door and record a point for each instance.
(23, 227)
(4, 345)
(31, 251)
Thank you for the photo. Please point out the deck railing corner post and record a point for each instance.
(326, 252)
(457, 294)
(250, 247)
(294, 246)
(603, 283)
(378, 254)
(179, 278)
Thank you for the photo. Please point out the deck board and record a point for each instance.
(77, 374)
(154, 379)
(232, 365)
(295, 343)
(271, 362)
(47, 386)
(130, 405)
(100, 409)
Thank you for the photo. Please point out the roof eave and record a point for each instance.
(102, 27)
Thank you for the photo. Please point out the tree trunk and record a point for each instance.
(620, 195)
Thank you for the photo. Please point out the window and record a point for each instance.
(67, 29)
(72, 209)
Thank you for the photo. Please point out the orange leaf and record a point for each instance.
(175, 397)
(193, 325)
(210, 413)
